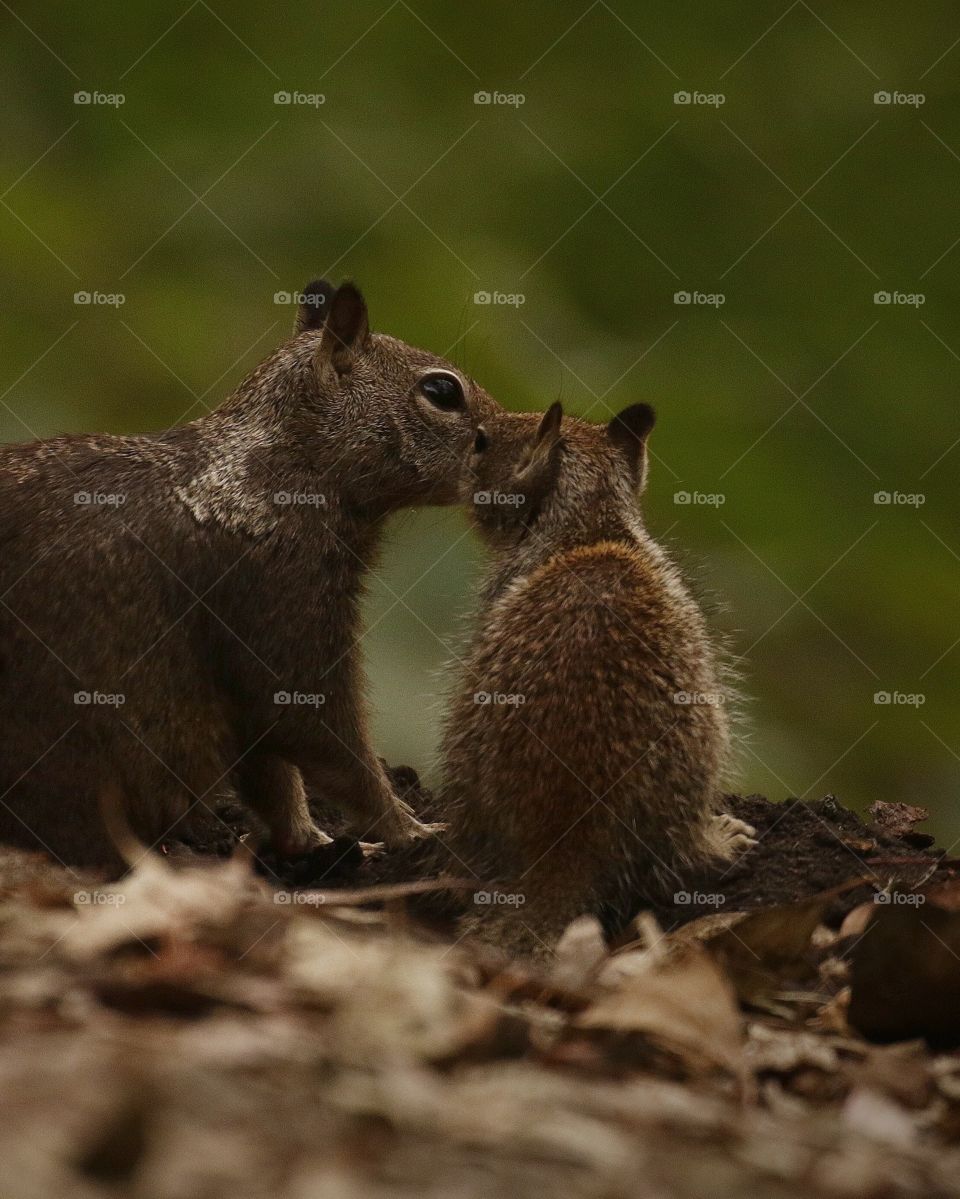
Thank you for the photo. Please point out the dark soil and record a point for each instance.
(340, 864)
(806, 848)
(803, 849)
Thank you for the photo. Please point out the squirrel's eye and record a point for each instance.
(443, 391)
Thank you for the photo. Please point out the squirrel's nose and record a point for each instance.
(482, 441)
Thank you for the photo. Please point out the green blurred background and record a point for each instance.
(596, 199)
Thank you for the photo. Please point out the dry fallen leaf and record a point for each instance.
(781, 1051)
(899, 819)
(760, 950)
(324, 1053)
(681, 999)
(579, 954)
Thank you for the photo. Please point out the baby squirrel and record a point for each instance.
(587, 737)
(180, 611)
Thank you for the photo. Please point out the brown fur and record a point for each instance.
(201, 596)
(594, 780)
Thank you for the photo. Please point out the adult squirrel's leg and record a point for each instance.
(273, 787)
(354, 779)
(341, 763)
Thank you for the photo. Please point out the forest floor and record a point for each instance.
(227, 1025)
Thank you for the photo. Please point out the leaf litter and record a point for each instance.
(196, 1030)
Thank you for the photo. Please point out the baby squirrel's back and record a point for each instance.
(589, 733)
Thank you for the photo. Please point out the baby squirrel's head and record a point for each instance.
(561, 478)
(405, 424)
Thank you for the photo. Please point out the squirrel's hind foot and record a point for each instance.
(730, 837)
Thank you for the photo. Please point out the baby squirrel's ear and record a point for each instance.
(549, 431)
(537, 471)
(314, 305)
(346, 330)
(629, 431)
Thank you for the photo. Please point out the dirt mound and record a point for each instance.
(803, 849)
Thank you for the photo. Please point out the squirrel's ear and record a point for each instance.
(549, 431)
(629, 431)
(537, 470)
(314, 305)
(346, 330)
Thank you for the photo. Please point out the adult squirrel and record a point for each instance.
(588, 735)
(179, 611)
